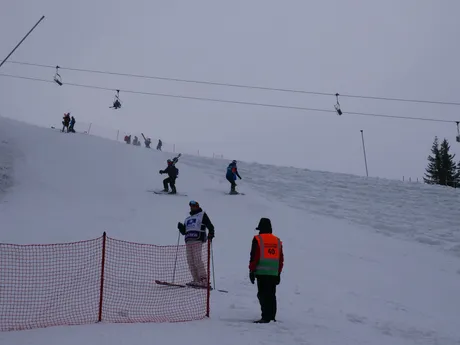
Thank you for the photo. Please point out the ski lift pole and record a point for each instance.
(458, 131)
(364, 152)
(21, 41)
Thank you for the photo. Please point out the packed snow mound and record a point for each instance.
(343, 283)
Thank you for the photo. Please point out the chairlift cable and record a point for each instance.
(242, 85)
(232, 101)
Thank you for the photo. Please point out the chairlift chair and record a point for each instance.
(337, 106)
(116, 101)
(57, 77)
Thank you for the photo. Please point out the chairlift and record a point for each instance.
(57, 77)
(116, 101)
(458, 132)
(337, 106)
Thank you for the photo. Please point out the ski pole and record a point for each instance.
(175, 261)
(213, 275)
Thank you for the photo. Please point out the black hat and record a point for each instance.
(265, 226)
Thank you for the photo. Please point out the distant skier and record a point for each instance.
(232, 173)
(194, 230)
(72, 124)
(160, 144)
(66, 122)
(173, 173)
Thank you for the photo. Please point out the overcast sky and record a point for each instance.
(386, 48)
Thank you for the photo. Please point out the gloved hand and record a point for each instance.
(278, 279)
(252, 277)
(160, 172)
(210, 236)
(181, 228)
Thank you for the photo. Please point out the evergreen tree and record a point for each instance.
(434, 164)
(457, 176)
(441, 167)
(448, 174)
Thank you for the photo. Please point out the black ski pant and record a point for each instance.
(266, 293)
(233, 184)
(172, 183)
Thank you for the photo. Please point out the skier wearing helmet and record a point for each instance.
(232, 173)
(172, 172)
(194, 230)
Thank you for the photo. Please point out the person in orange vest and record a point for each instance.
(266, 263)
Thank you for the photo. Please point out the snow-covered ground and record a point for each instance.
(345, 281)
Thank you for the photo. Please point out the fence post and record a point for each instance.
(104, 236)
(208, 295)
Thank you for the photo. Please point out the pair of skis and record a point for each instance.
(160, 282)
(168, 193)
(161, 192)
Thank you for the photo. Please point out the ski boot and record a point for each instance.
(233, 190)
(173, 190)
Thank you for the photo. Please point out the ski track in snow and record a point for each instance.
(342, 284)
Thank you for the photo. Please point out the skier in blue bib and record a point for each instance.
(232, 174)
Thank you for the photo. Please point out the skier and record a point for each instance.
(265, 264)
(160, 144)
(232, 173)
(172, 172)
(72, 124)
(194, 230)
(66, 122)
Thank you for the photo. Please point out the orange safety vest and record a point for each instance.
(270, 249)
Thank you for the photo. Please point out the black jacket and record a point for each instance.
(206, 223)
(171, 170)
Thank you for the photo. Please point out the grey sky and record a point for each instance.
(393, 48)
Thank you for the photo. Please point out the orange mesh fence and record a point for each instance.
(130, 291)
(103, 279)
(49, 285)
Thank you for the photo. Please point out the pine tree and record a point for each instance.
(448, 174)
(457, 176)
(434, 164)
(441, 167)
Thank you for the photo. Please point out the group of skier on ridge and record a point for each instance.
(266, 257)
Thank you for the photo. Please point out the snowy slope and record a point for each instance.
(343, 283)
